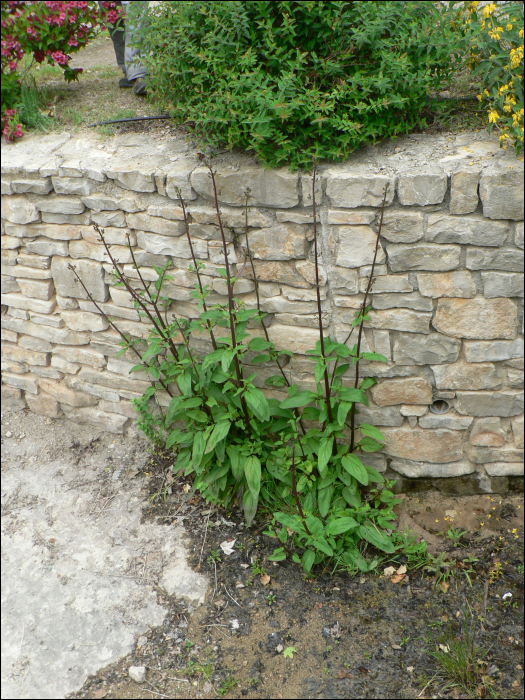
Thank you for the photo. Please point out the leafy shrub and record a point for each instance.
(297, 80)
(45, 31)
(242, 447)
(496, 55)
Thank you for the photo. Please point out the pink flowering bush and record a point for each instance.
(46, 31)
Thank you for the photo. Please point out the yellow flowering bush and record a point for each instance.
(495, 35)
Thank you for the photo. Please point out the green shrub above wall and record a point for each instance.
(298, 80)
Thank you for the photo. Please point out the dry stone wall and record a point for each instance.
(448, 289)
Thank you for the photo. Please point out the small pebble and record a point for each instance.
(8, 434)
(137, 673)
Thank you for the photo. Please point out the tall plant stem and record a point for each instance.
(212, 336)
(296, 495)
(361, 324)
(236, 363)
(137, 353)
(321, 337)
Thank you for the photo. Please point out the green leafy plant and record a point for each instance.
(293, 81)
(455, 535)
(289, 652)
(237, 444)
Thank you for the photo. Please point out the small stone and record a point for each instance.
(145, 222)
(415, 349)
(487, 432)
(18, 301)
(502, 284)
(517, 430)
(351, 190)
(458, 284)
(493, 351)
(476, 318)
(464, 191)
(402, 226)
(438, 446)
(44, 405)
(412, 390)
(73, 185)
(494, 259)
(282, 242)
(465, 229)
(345, 217)
(449, 421)
(490, 403)
(137, 673)
(501, 192)
(90, 272)
(170, 245)
(466, 376)
(37, 289)
(422, 186)
(397, 320)
(505, 468)
(415, 470)
(19, 210)
(27, 382)
(60, 205)
(518, 234)
(411, 300)
(293, 338)
(357, 246)
(424, 256)
(384, 284)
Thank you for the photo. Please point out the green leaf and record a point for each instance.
(249, 504)
(175, 436)
(172, 409)
(353, 395)
(258, 403)
(219, 432)
(289, 651)
(226, 360)
(308, 559)
(342, 411)
(371, 431)
(351, 497)
(275, 380)
(337, 527)
(184, 382)
(374, 475)
(259, 344)
(324, 498)
(235, 461)
(374, 357)
(258, 359)
(355, 467)
(212, 358)
(322, 545)
(376, 537)
(291, 521)
(324, 454)
(300, 399)
(278, 554)
(368, 444)
(296, 558)
(367, 383)
(252, 471)
(152, 350)
(199, 443)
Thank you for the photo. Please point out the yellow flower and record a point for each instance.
(520, 33)
(488, 9)
(508, 27)
(480, 98)
(493, 116)
(507, 108)
(487, 93)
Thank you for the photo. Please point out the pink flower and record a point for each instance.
(9, 113)
(12, 65)
(39, 56)
(59, 57)
(112, 16)
(72, 41)
(31, 30)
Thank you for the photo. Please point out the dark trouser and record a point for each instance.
(128, 57)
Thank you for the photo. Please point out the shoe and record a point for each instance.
(125, 83)
(139, 88)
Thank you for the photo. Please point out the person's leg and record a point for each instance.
(137, 16)
(118, 38)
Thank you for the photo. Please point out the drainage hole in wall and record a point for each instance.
(440, 406)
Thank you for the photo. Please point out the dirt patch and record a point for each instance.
(269, 631)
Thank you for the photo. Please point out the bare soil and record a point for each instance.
(353, 636)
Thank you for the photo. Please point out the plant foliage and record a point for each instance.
(295, 81)
(306, 452)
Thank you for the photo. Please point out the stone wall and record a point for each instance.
(448, 291)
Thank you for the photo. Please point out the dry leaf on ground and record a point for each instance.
(265, 579)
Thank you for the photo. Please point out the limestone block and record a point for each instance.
(422, 186)
(98, 201)
(37, 289)
(490, 403)
(464, 191)
(73, 185)
(10, 242)
(345, 217)
(89, 271)
(412, 300)
(282, 305)
(494, 351)
(295, 294)
(77, 219)
(174, 291)
(18, 313)
(350, 190)
(449, 421)
(413, 410)
(402, 226)
(8, 260)
(166, 211)
(10, 336)
(413, 349)
(412, 390)
(216, 253)
(150, 260)
(110, 422)
(155, 224)
(18, 230)
(425, 256)
(307, 270)
(487, 432)
(241, 286)
(9, 285)
(132, 176)
(390, 285)
(277, 271)
(517, 430)
(52, 335)
(268, 289)
(46, 246)
(505, 469)
(280, 242)
(474, 230)
(233, 217)
(509, 259)
(484, 455)
(64, 232)
(19, 301)
(109, 218)
(44, 405)
(111, 310)
(502, 284)
(54, 320)
(48, 373)
(84, 321)
(12, 397)
(515, 377)
(36, 344)
(27, 382)
(178, 180)
(307, 189)
(60, 205)
(396, 320)
(113, 381)
(123, 408)
(19, 210)
(121, 297)
(466, 376)
(32, 273)
(387, 416)
(518, 234)
(64, 366)
(82, 355)
(293, 338)
(65, 395)
(357, 245)
(96, 251)
(415, 470)
(168, 245)
(276, 188)
(304, 320)
(458, 284)
(481, 318)
(42, 262)
(439, 446)
(501, 192)
(294, 217)
(15, 353)
(7, 185)
(112, 236)
(100, 392)
(66, 302)
(210, 232)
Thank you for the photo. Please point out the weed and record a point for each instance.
(455, 535)
(521, 569)
(215, 556)
(270, 598)
(188, 645)
(496, 572)
(227, 685)
(257, 569)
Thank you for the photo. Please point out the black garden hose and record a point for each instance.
(130, 119)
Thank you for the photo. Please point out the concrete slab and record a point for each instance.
(79, 569)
